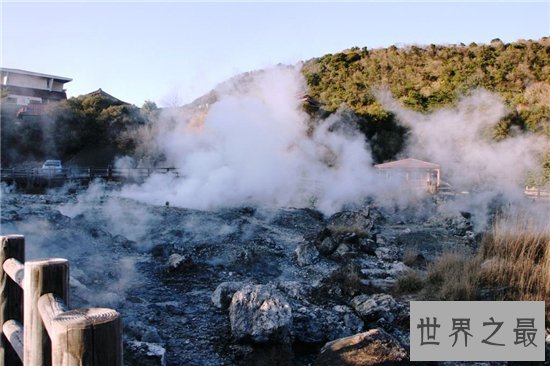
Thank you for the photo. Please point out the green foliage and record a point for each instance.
(430, 77)
(92, 121)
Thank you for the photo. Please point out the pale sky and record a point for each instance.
(173, 52)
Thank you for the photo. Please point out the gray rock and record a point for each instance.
(295, 290)
(179, 263)
(327, 246)
(308, 325)
(356, 222)
(381, 284)
(142, 332)
(374, 307)
(260, 314)
(387, 254)
(306, 254)
(367, 246)
(342, 249)
(319, 325)
(397, 268)
(144, 354)
(151, 336)
(343, 322)
(373, 347)
(221, 297)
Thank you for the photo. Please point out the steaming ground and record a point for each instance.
(253, 168)
(253, 148)
(125, 264)
(158, 266)
(253, 145)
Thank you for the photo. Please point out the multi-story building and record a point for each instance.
(29, 91)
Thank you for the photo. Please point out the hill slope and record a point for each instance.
(430, 77)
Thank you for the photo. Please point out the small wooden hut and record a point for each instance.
(417, 173)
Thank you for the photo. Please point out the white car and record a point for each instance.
(52, 167)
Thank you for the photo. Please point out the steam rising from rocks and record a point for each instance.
(254, 147)
(459, 139)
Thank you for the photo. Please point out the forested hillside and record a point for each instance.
(429, 77)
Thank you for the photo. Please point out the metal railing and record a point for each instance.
(37, 292)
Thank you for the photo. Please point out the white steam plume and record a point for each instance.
(253, 145)
(458, 138)
(253, 148)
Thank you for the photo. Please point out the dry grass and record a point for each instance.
(453, 276)
(513, 263)
(409, 256)
(517, 254)
(410, 282)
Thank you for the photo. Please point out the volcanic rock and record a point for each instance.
(179, 263)
(260, 314)
(373, 307)
(318, 325)
(144, 354)
(347, 222)
(306, 254)
(369, 348)
(327, 246)
(221, 297)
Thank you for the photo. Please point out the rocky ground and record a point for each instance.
(242, 286)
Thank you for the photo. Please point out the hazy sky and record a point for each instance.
(173, 52)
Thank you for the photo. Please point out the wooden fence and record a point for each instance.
(536, 192)
(32, 179)
(36, 327)
(76, 173)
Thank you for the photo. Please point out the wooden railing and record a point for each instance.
(37, 292)
(83, 173)
(536, 192)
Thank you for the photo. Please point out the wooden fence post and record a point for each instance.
(11, 295)
(41, 277)
(87, 337)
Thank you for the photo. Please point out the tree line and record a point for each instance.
(425, 78)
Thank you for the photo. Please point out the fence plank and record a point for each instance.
(16, 270)
(41, 277)
(87, 337)
(11, 295)
(13, 330)
(49, 307)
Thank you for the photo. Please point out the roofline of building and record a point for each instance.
(107, 95)
(32, 73)
(409, 163)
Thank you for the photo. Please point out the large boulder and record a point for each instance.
(221, 297)
(351, 222)
(347, 232)
(372, 308)
(369, 348)
(260, 314)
